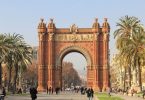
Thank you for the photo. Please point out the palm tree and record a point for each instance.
(127, 25)
(23, 57)
(4, 47)
(9, 57)
(134, 48)
(130, 34)
(123, 68)
(19, 53)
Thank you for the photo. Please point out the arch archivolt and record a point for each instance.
(69, 49)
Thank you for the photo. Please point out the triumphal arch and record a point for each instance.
(55, 43)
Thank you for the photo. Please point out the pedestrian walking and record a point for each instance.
(52, 90)
(109, 91)
(90, 93)
(3, 92)
(49, 90)
(143, 94)
(57, 90)
(82, 90)
(33, 93)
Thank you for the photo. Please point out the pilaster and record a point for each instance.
(105, 31)
(41, 64)
(50, 60)
(105, 62)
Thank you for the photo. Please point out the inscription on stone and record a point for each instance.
(74, 37)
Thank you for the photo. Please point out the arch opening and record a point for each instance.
(68, 50)
(74, 70)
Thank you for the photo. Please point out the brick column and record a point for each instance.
(105, 61)
(96, 31)
(41, 63)
(51, 66)
(105, 31)
(95, 67)
(58, 77)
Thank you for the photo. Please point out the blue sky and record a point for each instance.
(23, 16)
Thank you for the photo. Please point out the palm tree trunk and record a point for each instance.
(135, 72)
(15, 78)
(124, 83)
(135, 76)
(10, 76)
(20, 77)
(139, 74)
(0, 74)
(129, 73)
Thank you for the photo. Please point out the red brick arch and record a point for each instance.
(55, 43)
(69, 49)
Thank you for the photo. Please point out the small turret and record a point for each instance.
(51, 26)
(96, 26)
(42, 27)
(106, 26)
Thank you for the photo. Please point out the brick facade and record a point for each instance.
(55, 43)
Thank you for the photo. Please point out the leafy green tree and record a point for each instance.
(69, 75)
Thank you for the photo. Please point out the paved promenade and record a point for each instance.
(66, 96)
(44, 96)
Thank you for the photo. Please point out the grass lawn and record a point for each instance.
(140, 94)
(104, 96)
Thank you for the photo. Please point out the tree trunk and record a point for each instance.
(129, 73)
(0, 74)
(10, 76)
(124, 83)
(135, 77)
(20, 78)
(139, 74)
(15, 78)
(135, 72)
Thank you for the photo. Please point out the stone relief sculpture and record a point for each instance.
(73, 28)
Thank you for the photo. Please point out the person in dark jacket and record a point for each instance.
(90, 93)
(4, 91)
(33, 93)
(143, 93)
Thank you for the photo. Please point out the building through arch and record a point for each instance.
(55, 43)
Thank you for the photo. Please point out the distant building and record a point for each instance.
(35, 52)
